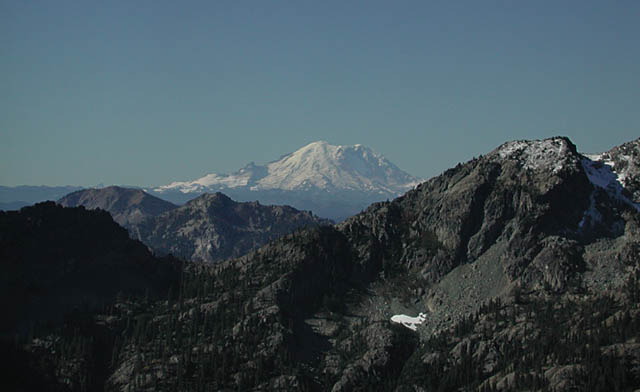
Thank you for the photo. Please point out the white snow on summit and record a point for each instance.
(323, 166)
(536, 154)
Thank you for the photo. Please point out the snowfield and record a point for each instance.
(408, 321)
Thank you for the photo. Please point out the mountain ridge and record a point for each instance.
(213, 227)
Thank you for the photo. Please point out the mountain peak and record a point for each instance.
(549, 154)
(126, 205)
(217, 198)
(317, 143)
(355, 174)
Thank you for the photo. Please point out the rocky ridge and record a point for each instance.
(207, 229)
(213, 227)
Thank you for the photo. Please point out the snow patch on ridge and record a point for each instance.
(601, 174)
(605, 158)
(201, 184)
(591, 215)
(408, 321)
(539, 154)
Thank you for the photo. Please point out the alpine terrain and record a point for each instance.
(332, 181)
(517, 270)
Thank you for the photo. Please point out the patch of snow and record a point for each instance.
(591, 215)
(408, 321)
(601, 174)
(537, 154)
(620, 172)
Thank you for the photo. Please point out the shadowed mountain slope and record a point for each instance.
(56, 259)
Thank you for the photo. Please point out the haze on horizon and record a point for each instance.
(150, 92)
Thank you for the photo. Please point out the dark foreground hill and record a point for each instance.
(59, 267)
(54, 260)
(526, 262)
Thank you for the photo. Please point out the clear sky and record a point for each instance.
(148, 92)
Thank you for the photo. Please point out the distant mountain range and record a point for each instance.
(208, 228)
(332, 181)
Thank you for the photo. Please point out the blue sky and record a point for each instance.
(148, 92)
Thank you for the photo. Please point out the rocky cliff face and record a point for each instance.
(127, 206)
(517, 202)
(213, 227)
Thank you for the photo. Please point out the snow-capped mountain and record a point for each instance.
(332, 181)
